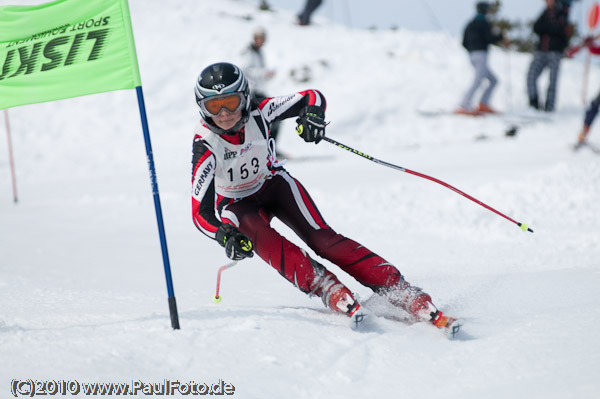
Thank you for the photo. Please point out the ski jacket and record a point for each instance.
(478, 34)
(552, 28)
(255, 69)
(228, 168)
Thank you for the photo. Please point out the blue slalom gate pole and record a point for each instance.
(157, 207)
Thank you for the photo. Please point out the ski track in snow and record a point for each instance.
(82, 288)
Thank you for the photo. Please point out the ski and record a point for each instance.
(521, 118)
(442, 112)
(359, 319)
(306, 158)
(450, 326)
(510, 132)
(585, 144)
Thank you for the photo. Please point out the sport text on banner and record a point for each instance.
(63, 49)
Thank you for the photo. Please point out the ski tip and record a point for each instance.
(454, 330)
(359, 319)
(581, 144)
(450, 326)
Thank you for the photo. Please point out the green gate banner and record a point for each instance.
(66, 48)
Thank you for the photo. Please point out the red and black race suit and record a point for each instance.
(278, 195)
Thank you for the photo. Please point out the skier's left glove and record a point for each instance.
(237, 245)
(311, 124)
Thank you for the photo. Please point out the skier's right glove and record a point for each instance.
(237, 245)
(311, 124)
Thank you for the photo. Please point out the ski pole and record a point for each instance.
(11, 157)
(523, 226)
(217, 298)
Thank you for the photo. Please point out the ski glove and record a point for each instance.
(311, 124)
(237, 245)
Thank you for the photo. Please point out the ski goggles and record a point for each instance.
(213, 105)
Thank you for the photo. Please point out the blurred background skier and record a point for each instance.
(257, 73)
(592, 110)
(309, 8)
(477, 37)
(552, 27)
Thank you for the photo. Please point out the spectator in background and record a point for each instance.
(309, 7)
(592, 111)
(552, 28)
(476, 39)
(257, 73)
(264, 5)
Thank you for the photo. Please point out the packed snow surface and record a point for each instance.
(82, 288)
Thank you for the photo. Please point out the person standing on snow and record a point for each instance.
(476, 39)
(238, 186)
(592, 111)
(309, 7)
(552, 28)
(258, 74)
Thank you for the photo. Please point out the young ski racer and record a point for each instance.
(238, 186)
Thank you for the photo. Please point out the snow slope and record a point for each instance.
(82, 289)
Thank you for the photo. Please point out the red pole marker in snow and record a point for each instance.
(523, 226)
(592, 21)
(217, 298)
(593, 16)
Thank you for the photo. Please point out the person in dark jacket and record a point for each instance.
(476, 39)
(309, 7)
(552, 29)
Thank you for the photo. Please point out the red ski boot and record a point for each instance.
(419, 305)
(341, 300)
(412, 300)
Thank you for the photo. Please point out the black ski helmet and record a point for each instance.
(483, 7)
(222, 78)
